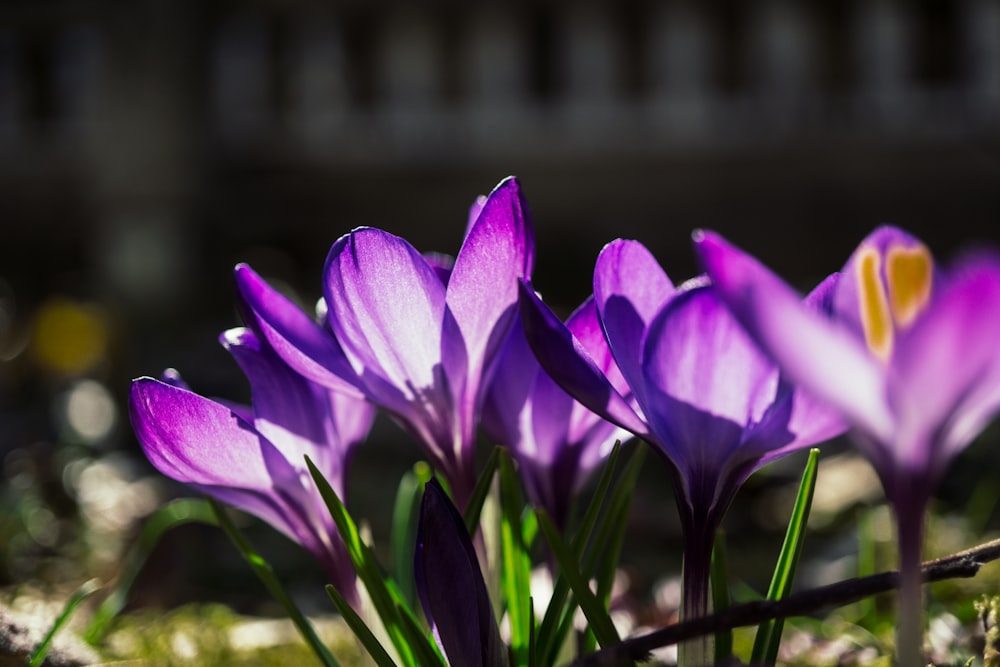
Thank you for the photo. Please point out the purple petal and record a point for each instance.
(482, 291)
(296, 338)
(451, 587)
(386, 307)
(294, 414)
(943, 382)
(630, 288)
(510, 389)
(847, 299)
(704, 377)
(201, 443)
(585, 325)
(567, 362)
(812, 351)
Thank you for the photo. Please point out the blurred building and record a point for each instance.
(146, 146)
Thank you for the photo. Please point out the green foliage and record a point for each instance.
(765, 649)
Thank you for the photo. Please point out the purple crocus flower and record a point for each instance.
(253, 457)
(557, 441)
(413, 336)
(701, 392)
(908, 354)
(451, 587)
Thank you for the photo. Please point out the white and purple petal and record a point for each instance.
(630, 288)
(567, 362)
(817, 353)
(294, 336)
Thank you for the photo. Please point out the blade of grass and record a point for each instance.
(173, 514)
(382, 590)
(597, 616)
(360, 630)
(609, 537)
(427, 652)
(264, 572)
(600, 533)
(721, 598)
(768, 639)
(480, 491)
(866, 559)
(554, 626)
(85, 590)
(404, 528)
(515, 562)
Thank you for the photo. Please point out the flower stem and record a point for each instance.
(909, 616)
(695, 599)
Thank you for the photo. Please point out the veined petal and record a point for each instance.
(295, 415)
(704, 376)
(294, 336)
(585, 325)
(630, 288)
(451, 587)
(199, 442)
(812, 351)
(510, 389)
(567, 362)
(944, 371)
(386, 307)
(482, 291)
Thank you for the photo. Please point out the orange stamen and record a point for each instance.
(875, 317)
(909, 272)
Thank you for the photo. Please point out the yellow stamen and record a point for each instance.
(875, 317)
(909, 272)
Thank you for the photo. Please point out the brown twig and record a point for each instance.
(961, 565)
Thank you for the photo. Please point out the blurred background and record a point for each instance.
(147, 146)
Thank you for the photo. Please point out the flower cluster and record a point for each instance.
(720, 375)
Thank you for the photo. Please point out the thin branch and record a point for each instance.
(961, 565)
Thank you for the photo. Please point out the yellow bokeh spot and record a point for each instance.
(875, 317)
(909, 272)
(69, 338)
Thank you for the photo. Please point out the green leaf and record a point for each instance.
(610, 529)
(426, 652)
(173, 514)
(405, 517)
(515, 561)
(597, 616)
(383, 591)
(768, 639)
(558, 616)
(360, 629)
(264, 572)
(721, 598)
(85, 590)
(481, 490)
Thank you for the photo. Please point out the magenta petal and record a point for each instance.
(302, 343)
(199, 442)
(944, 372)
(630, 288)
(296, 415)
(845, 299)
(704, 377)
(585, 325)
(510, 389)
(482, 290)
(567, 362)
(386, 306)
(814, 352)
